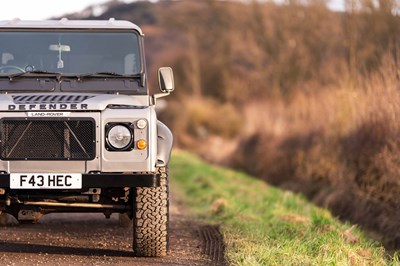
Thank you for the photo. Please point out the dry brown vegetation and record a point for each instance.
(299, 95)
(339, 147)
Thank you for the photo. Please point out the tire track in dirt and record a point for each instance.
(90, 239)
(213, 244)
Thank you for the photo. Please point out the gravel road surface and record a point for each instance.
(90, 239)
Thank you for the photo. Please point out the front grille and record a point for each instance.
(47, 139)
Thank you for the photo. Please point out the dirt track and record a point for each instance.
(90, 239)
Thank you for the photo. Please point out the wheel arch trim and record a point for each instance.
(164, 144)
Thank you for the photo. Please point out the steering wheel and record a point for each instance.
(12, 67)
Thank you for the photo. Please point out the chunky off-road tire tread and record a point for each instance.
(150, 225)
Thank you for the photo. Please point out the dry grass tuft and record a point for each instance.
(219, 205)
(295, 218)
(349, 236)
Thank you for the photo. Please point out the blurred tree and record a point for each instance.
(236, 51)
(374, 27)
(350, 25)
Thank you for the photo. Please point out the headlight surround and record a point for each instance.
(119, 136)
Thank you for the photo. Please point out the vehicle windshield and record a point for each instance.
(69, 52)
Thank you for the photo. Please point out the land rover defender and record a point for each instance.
(78, 128)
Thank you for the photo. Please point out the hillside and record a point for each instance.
(263, 225)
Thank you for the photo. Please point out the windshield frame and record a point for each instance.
(118, 81)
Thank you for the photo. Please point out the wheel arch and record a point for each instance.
(164, 144)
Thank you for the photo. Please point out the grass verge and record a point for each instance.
(263, 225)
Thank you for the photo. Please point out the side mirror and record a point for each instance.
(166, 79)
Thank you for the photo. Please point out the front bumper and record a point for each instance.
(106, 180)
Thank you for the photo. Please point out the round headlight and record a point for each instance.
(119, 137)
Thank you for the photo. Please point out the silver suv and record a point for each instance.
(78, 128)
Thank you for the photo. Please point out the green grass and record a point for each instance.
(263, 225)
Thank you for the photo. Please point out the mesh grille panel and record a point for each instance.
(41, 139)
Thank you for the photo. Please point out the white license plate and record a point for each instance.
(45, 181)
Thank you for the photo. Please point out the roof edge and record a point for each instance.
(65, 23)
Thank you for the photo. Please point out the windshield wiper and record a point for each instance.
(60, 76)
(106, 74)
(33, 72)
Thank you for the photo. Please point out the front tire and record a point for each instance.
(151, 215)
